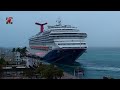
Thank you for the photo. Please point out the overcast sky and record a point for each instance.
(102, 27)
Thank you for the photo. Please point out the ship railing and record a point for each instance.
(83, 46)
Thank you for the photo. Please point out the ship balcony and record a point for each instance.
(73, 46)
(83, 46)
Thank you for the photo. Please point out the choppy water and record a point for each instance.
(99, 62)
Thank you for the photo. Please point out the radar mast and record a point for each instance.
(59, 22)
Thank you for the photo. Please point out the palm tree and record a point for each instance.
(23, 51)
(18, 49)
(13, 50)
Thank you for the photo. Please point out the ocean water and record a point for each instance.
(97, 63)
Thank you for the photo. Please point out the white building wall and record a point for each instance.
(29, 62)
(17, 57)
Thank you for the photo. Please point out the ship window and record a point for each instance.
(83, 43)
(69, 44)
(70, 47)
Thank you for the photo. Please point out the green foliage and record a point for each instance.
(58, 72)
(7, 63)
(2, 61)
(41, 68)
(22, 51)
(49, 71)
(29, 73)
(18, 50)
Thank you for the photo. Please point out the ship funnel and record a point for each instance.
(41, 26)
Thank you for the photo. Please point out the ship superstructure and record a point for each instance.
(59, 43)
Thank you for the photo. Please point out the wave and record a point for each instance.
(103, 68)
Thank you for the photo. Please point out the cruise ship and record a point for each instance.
(59, 43)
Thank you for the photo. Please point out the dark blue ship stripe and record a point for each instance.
(63, 56)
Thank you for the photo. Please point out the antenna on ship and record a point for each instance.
(59, 21)
(41, 26)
